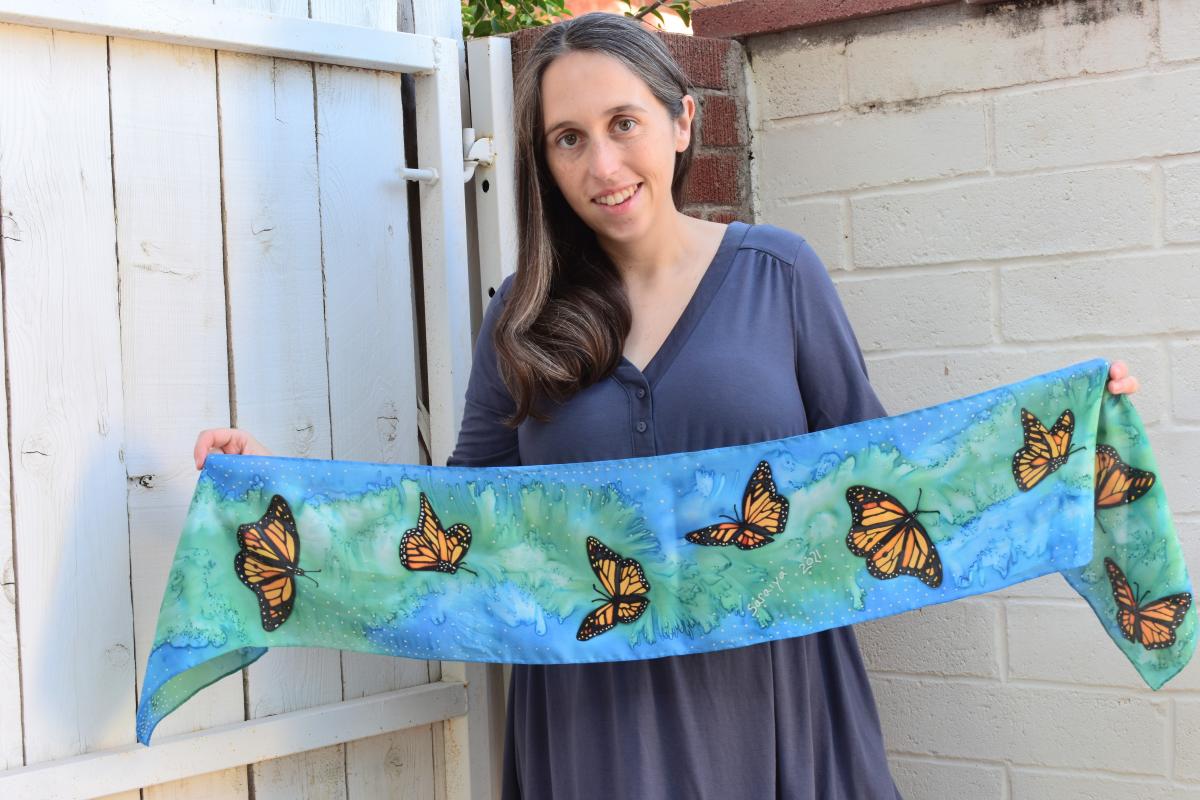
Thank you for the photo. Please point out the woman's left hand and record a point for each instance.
(1121, 382)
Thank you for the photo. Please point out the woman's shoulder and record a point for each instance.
(785, 246)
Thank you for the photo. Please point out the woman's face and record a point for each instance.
(609, 139)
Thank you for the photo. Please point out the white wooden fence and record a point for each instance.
(205, 222)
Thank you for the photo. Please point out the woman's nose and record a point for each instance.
(603, 159)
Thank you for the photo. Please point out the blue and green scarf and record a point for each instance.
(683, 553)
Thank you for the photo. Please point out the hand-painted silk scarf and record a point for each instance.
(682, 553)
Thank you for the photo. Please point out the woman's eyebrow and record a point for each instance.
(609, 112)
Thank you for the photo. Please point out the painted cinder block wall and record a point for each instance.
(1000, 190)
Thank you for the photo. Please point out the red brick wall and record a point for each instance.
(719, 184)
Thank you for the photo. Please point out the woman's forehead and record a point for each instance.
(580, 85)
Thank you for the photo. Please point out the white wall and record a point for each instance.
(999, 191)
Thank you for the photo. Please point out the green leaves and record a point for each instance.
(490, 17)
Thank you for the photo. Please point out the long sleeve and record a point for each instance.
(483, 440)
(830, 368)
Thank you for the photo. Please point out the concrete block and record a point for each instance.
(1098, 121)
(1179, 29)
(988, 218)
(958, 638)
(795, 76)
(855, 151)
(1124, 296)
(921, 54)
(1181, 210)
(1023, 724)
(897, 313)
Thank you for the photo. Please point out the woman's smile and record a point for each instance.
(619, 202)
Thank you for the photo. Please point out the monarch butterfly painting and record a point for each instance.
(1153, 624)
(429, 546)
(269, 561)
(891, 537)
(1117, 483)
(764, 514)
(623, 585)
(1044, 450)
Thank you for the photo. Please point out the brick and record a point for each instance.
(1041, 303)
(723, 216)
(714, 179)
(924, 778)
(1181, 211)
(1005, 217)
(1175, 450)
(1185, 379)
(1033, 785)
(894, 313)
(863, 150)
(708, 63)
(720, 122)
(909, 381)
(1108, 120)
(1023, 724)
(795, 76)
(948, 639)
(1187, 734)
(1179, 29)
(954, 50)
(818, 221)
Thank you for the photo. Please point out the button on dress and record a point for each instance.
(762, 351)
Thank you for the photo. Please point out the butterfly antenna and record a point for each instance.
(468, 569)
(1101, 524)
(304, 573)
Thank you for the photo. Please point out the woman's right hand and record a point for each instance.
(226, 440)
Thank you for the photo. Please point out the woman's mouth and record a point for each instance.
(619, 201)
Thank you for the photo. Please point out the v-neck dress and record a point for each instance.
(763, 350)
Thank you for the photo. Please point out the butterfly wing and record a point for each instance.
(274, 586)
(1044, 450)
(764, 510)
(268, 561)
(431, 547)
(1158, 619)
(1152, 625)
(624, 584)
(764, 515)
(273, 538)
(891, 539)
(1117, 483)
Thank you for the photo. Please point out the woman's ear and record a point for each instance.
(683, 124)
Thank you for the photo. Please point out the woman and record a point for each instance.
(630, 329)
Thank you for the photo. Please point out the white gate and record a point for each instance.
(205, 221)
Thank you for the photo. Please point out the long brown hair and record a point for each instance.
(566, 316)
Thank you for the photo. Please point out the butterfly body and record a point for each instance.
(763, 515)
(268, 562)
(623, 589)
(1044, 450)
(1152, 624)
(430, 547)
(890, 537)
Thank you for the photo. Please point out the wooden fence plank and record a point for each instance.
(372, 347)
(168, 195)
(67, 412)
(273, 244)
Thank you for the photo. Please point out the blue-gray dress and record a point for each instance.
(762, 351)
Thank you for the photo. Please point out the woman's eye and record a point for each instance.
(563, 139)
(632, 122)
